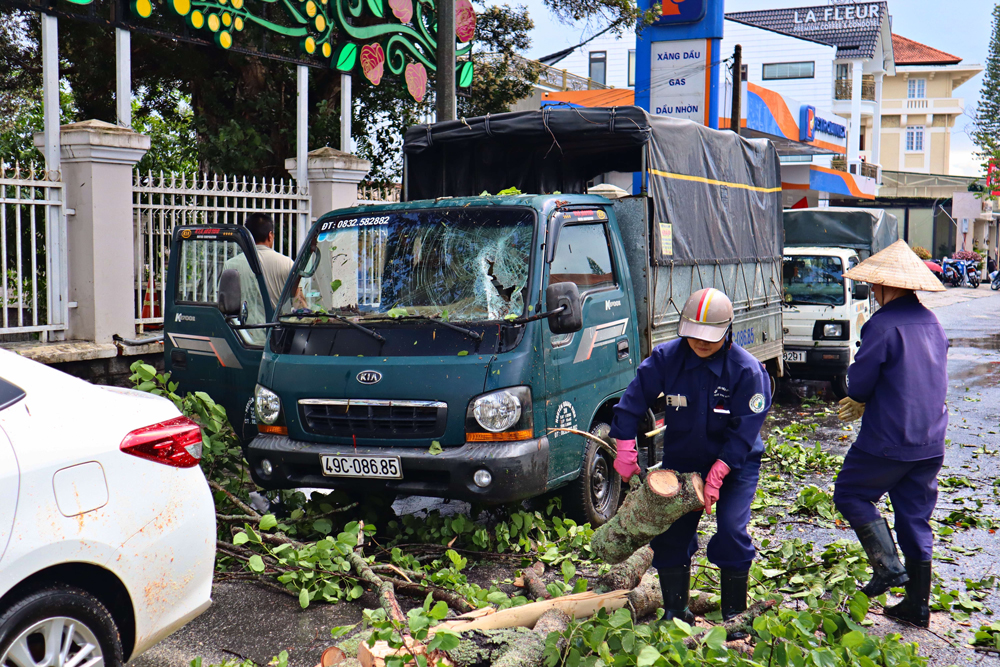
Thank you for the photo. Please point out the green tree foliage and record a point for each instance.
(230, 112)
(986, 128)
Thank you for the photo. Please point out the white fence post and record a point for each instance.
(97, 160)
(333, 178)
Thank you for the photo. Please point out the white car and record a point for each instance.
(107, 525)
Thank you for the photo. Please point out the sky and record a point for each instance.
(959, 27)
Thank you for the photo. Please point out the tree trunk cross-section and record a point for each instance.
(648, 511)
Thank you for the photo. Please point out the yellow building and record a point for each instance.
(919, 110)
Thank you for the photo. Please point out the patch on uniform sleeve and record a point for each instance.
(757, 402)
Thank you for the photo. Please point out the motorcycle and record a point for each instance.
(995, 276)
(960, 272)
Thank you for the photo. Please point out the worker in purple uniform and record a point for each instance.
(898, 383)
(716, 397)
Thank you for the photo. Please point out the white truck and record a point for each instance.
(824, 311)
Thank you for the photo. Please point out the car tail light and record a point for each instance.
(176, 442)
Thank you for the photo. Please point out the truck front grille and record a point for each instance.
(367, 418)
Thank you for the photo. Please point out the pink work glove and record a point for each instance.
(713, 483)
(626, 463)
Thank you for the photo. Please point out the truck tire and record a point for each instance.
(593, 497)
(839, 386)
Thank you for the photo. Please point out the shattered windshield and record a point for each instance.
(814, 280)
(463, 264)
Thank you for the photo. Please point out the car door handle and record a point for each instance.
(622, 345)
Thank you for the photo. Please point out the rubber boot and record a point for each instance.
(733, 590)
(915, 607)
(877, 541)
(675, 583)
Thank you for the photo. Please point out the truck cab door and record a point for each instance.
(584, 368)
(206, 350)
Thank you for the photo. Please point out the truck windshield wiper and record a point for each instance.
(798, 302)
(339, 318)
(475, 335)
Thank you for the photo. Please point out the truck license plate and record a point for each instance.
(380, 467)
(795, 357)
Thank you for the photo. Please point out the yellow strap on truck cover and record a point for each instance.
(702, 179)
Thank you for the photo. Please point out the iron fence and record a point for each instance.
(163, 202)
(33, 295)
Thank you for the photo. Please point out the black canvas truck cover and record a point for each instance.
(868, 230)
(716, 196)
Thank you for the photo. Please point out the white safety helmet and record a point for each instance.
(707, 316)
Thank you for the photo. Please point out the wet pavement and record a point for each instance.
(248, 622)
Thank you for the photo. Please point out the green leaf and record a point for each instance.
(463, 353)
(858, 606)
(240, 538)
(444, 640)
(256, 563)
(715, 639)
(852, 639)
(568, 570)
(335, 285)
(323, 526)
(268, 521)
(647, 656)
(396, 312)
(435, 448)
(378, 9)
(304, 598)
(465, 73)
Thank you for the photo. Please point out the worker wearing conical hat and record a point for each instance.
(715, 396)
(898, 383)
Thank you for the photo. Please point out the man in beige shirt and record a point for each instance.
(273, 264)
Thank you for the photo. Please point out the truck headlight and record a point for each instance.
(833, 330)
(502, 415)
(267, 405)
(497, 411)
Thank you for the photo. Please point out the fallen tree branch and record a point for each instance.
(235, 501)
(420, 591)
(590, 436)
(532, 580)
(628, 573)
(386, 594)
(742, 622)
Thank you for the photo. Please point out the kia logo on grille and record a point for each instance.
(369, 377)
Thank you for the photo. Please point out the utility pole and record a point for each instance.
(447, 108)
(735, 115)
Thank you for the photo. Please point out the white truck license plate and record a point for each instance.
(380, 467)
(796, 357)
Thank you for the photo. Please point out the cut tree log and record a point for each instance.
(647, 597)
(742, 622)
(648, 511)
(578, 605)
(628, 573)
(531, 578)
(531, 649)
(375, 656)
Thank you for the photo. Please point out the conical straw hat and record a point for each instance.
(896, 266)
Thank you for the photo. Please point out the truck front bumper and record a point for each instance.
(822, 363)
(519, 469)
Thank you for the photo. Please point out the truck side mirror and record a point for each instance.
(570, 318)
(860, 291)
(229, 293)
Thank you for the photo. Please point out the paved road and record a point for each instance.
(248, 622)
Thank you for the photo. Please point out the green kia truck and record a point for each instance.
(430, 347)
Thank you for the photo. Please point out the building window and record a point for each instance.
(631, 67)
(861, 139)
(789, 71)
(599, 66)
(915, 138)
(916, 89)
(844, 71)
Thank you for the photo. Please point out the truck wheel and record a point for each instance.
(839, 386)
(593, 496)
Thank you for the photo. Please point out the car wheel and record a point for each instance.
(57, 626)
(839, 386)
(593, 496)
